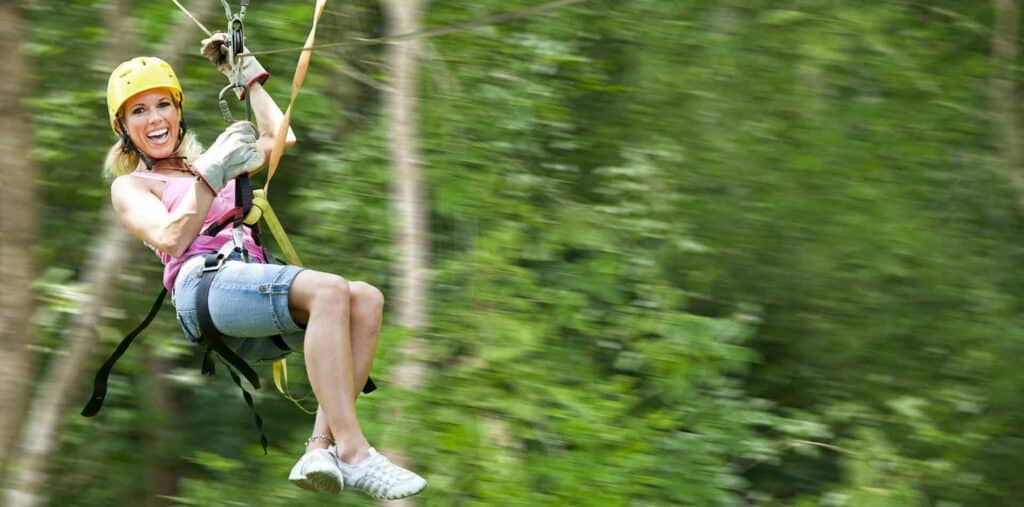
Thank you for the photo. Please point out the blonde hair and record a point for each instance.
(120, 161)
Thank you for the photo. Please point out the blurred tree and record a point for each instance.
(110, 254)
(18, 226)
(1004, 95)
(408, 202)
(408, 198)
(682, 253)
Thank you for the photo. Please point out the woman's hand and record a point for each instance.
(266, 113)
(235, 152)
(215, 50)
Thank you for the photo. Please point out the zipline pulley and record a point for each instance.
(235, 46)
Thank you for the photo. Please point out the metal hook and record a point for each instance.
(225, 110)
(227, 9)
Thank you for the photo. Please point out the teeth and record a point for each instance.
(158, 133)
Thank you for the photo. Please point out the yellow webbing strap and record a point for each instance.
(281, 381)
(261, 209)
(300, 76)
(261, 206)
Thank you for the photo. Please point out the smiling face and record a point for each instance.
(153, 122)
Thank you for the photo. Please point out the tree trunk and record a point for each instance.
(111, 251)
(407, 194)
(407, 199)
(18, 230)
(407, 189)
(158, 426)
(40, 430)
(1003, 93)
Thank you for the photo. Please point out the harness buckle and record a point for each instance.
(238, 246)
(213, 262)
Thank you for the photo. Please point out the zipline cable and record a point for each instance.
(434, 32)
(193, 18)
(494, 19)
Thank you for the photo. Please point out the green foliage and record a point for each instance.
(682, 253)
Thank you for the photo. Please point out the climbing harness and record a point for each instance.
(250, 207)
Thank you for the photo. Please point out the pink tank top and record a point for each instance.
(174, 191)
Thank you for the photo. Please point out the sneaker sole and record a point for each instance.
(319, 481)
(406, 495)
(302, 483)
(401, 496)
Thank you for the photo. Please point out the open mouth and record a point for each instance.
(158, 136)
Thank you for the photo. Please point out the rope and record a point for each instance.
(193, 18)
(300, 75)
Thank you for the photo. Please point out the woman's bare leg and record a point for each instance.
(366, 308)
(328, 352)
(367, 304)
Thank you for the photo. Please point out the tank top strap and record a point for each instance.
(150, 176)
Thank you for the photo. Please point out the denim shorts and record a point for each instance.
(248, 304)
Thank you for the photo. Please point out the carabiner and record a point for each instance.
(225, 110)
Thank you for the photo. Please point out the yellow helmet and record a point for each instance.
(138, 75)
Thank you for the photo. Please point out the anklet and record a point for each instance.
(325, 438)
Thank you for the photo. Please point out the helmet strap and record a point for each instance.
(182, 129)
(128, 146)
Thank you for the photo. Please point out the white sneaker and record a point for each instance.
(318, 470)
(378, 477)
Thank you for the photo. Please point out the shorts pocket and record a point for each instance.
(189, 323)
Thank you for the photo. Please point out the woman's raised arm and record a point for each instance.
(267, 114)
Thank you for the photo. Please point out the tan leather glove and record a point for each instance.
(215, 50)
(235, 152)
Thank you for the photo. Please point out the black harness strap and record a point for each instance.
(243, 197)
(99, 384)
(209, 335)
(252, 407)
(279, 343)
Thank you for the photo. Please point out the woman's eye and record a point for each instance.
(163, 104)
(138, 110)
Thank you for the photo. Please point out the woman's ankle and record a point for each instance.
(318, 442)
(353, 452)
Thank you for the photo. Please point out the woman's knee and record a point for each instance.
(317, 292)
(366, 294)
(314, 288)
(333, 289)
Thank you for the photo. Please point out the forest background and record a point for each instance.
(658, 252)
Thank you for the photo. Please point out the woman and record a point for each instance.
(166, 190)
